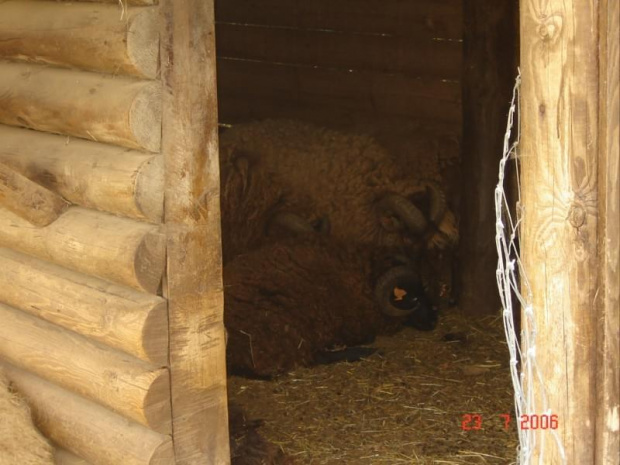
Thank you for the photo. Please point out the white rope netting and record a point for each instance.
(515, 291)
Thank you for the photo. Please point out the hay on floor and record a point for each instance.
(405, 404)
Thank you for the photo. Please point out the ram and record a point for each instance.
(257, 209)
(350, 178)
(289, 302)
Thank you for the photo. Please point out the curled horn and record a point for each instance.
(384, 290)
(437, 202)
(291, 222)
(445, 232)
(406, 211)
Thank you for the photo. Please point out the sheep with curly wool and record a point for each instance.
(289, 302)
(256, 209)
(350, 178)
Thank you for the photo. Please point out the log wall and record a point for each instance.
(330, 60)
(84, 245)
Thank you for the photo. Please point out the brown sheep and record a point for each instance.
(350, 178)
(288, 303)
(256, 208)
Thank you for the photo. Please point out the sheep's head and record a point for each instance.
(399, 292)
(420, 218)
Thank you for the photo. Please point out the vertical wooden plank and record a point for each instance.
(490, 49)
(192, 217)
(559, 155)
(608, 297)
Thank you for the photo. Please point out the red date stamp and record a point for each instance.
(473, 421)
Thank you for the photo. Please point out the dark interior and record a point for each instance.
(429, 81)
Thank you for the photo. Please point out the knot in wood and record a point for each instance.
(550, 28)
(577, 216)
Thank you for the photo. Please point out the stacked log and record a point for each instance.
(131, 321)
(97, 176)
(128, 112)
(104, 437)
(85, 36)
(84, 333)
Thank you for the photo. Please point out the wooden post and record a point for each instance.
(567, 193)
(192, 215)
(489, 69)
(607, 441)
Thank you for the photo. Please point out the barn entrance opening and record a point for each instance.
(342, 193)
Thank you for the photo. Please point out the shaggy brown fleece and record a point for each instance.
(20, 442)
(287, 302)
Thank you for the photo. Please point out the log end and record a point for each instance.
(145, 117)
(157, 408)
(150, 189)
(155, 335)
(143, 43)
(150, 261)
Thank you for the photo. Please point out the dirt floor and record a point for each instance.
(403, 405)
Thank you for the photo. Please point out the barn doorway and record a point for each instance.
(393, 79)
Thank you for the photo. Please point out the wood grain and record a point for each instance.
(414, 57)
(88, 429)
(27, 199)
(90, 174)
(120, 250)
(131, 321)
(559, 155)
(192, 215)
(91, 106)
(491, 36)
(133, 388)
(413, 18)
(270, 84)
(86, 36)
(607, 442)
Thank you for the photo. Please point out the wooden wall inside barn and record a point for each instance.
(334, 60)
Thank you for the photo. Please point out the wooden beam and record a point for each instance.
(491, 49)
(86, 36)
(122, 8)
(135, 322)
(27, 199)
(87, 429)
(413, 57)
(133, 388)
(419, 18)
(607, 442)
(102, 108)
(560, 161)
(192, 212)
(99, 176)
(264, 87)
(123, 251)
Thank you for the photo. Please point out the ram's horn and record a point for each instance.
(405, 211)
(437, 201)
(400, 278)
